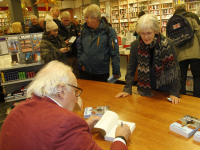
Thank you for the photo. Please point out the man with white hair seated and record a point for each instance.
(46, 121)
(34, 25)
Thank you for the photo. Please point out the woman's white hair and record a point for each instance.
(65, 14)
(180, 6)
(93, 10)
(49, 78)
(147, 21)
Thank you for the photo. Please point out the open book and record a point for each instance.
(108, 124)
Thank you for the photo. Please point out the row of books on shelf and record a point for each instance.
(16, 75)
(17, 94)
(20, 43)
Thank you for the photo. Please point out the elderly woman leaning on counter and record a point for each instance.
(155, 57)
(53, 46)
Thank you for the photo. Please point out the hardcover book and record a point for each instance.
(186, 126)
(3, 46)
(99, 111)
(108, 124)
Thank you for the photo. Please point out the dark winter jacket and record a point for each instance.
(50, 48)
(35, 29)
(94, 51)
(67, 34)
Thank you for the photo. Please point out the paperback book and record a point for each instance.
(3, 46)
(25, 42)
(99, 111)
(108, 123)
(13, 46)
(197, 136)
(186, 126)
(36, 38)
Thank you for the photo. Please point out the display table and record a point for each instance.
(152, 115)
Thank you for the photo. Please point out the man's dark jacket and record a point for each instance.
(35, 29)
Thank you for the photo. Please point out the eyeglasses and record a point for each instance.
(78, 90)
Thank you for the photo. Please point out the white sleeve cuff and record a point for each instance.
(119, 139)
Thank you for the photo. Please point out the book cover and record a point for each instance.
(29, 58)
(197, 136)
(108, 123)
(186, 126)
(12, 43)
(25, 42)
(3, 46)
(37, 38)
(99, 111)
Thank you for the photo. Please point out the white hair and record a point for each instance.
(147, 21)
(49, 78)
(65, 14)
(93, 10)
(34, 16)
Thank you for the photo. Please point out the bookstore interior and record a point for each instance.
(20, 54)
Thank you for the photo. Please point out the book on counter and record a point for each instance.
(108, 124)
(186, 126)
(99, 111)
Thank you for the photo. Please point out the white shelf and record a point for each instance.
(21, 66)
(154, 4)
(16, 81)
(154, 9)
(167, 8)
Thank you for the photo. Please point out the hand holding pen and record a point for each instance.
(123, 130)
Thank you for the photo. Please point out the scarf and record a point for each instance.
(165, 65)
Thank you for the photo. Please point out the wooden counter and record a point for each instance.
(152, 115)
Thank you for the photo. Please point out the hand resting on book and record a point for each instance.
(92, 120)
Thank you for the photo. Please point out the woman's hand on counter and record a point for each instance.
(122, 94)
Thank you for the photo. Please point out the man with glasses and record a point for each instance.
(46, 121)
(98, 44)
(67, 30)
(34, 25)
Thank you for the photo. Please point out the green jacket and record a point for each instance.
(190, 50)
(50, 48)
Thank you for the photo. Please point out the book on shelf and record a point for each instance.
(12, 43)
(3, 46)
(36, 38)
(186, 126)
(196, 136)
(99, 111)
(108, 124)
(25, 42)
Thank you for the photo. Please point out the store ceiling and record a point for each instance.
(4, 4)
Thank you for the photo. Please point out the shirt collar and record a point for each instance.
(54, 101)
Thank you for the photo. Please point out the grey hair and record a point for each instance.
(148, 21)
(49, 78)
(34, 16)
(180, 6)
(52, 8)
(75, 19)
(93, 10)
(65, 14)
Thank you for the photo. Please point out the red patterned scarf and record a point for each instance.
(165, 65)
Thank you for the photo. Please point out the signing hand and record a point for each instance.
(123, 131)
(122, 94)
(175, 100)
(92, 120)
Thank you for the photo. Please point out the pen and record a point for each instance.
(121, 124)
